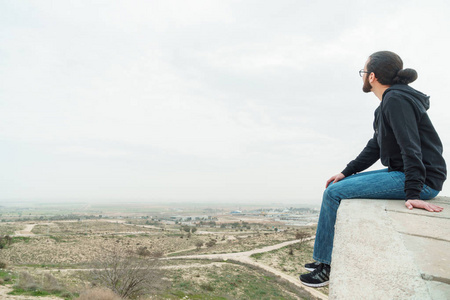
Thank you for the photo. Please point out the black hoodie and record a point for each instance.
(405, 140)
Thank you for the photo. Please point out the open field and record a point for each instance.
(66, 249)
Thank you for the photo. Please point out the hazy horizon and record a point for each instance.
(163, 202)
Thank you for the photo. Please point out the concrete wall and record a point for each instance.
(384, 251)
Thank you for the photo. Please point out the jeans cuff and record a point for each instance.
(321, 260)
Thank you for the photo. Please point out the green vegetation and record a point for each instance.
(9, 229)
(38, 292)
(58, 239)
(183, 295)
(7, 277)
(6, 241)
(26, 284)
(228, 281)
(18, 239)
(257, 255)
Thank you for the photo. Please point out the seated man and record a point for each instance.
(405, 141)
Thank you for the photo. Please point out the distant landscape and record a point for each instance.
(155, 251)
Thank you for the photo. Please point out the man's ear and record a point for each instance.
(372, 77)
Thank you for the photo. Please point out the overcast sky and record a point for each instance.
(200, 100)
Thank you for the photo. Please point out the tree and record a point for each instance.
(198, 244)
(302, 236)
(126, 275)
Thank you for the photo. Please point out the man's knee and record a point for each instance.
(331, 194)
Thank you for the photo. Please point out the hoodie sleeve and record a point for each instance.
(367, 157)
(404, 119)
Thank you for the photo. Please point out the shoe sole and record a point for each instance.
(315, 285)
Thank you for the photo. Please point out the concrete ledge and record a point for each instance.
(384, 251)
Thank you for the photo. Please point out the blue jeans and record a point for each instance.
(379, 184)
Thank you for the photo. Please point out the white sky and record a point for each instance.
(200, 100)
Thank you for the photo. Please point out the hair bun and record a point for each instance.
(405, 76)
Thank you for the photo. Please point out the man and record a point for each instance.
(405, 141)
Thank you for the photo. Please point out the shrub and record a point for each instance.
(291, 250)
(128, 276)
(26, 282)
(157, 254)
(301, 235)
(51, 284)
(207, 287)
(5, 241)
(66, 295)
(99, 294)
(143, 251)
(211, 243)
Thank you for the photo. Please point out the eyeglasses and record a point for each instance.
(361, 72)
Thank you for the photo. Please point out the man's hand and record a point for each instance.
(410, 204)
(335, 179)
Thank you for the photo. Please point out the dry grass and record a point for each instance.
(64, 250)
(98, 294)
(27, 282)
(51, 284)
(10, 228)
(87, 227)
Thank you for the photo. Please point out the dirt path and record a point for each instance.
(26, 231)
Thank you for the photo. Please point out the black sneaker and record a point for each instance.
(317, 278)
(312, 266)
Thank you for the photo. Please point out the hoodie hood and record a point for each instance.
(410, 93)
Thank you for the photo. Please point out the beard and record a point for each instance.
(367, 87)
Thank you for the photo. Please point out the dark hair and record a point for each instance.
(388, 68)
